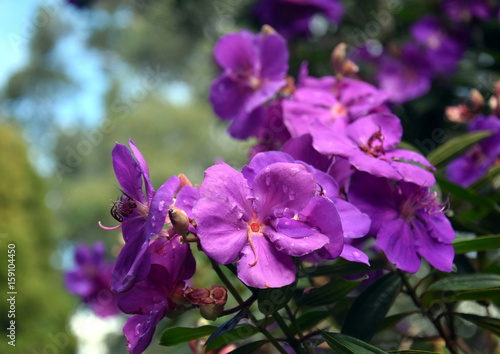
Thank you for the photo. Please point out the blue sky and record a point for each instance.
(15, 17)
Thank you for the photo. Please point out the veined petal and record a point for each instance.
(282, 187)
(352, 254)
(374, 166)
(263, 266)
(221, 228)
(128, 172)
(144, 169)
(262, 160)
(408, 155)
(139, 329)
(132, 265)
(440, 255)
(414, 174)
(397, 240)
(295, 238)
(354, 222)
(163, 198)
(223, 180)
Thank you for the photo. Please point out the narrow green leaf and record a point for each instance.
(227, 326)
(370, 308)
(471, 295)
(311, 319)
(174, 336)
(488, 323)
(455, 147)
(344, 344)
(249, 348)
(471, 282)
(390, 321)
(273, 299)
(341, 268)
(482, 243)
(240, 332)
(467, 195)
(411, 352)
(328, 294)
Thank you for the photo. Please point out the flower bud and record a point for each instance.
(179, 220)
(340, 64)
(210, 301)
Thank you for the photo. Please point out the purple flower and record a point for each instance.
(468, 168)
(159, 293)
(143, 214)
(442, 51)
(465, 10)
(273, 133)
(407, 77)
(370, 146)
(292, 18)
(408, 221)
(90, 280)
(261, 220)
(254, 70)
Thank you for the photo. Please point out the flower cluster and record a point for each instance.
(340, 130)
(468, 168)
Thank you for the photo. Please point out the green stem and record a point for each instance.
(288, 333)
(436, 321)
(240, 301)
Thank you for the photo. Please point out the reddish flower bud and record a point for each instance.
(179, 220)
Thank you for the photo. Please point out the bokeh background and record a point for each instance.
(73, 81)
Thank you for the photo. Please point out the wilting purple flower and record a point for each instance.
(292, 18)
(468, 168)
(91, 279)
(407, 77)
(465, 10)
(254, 70)
(261, 220)
(442, 51)
(370, 145)
(159, 293)
(408, 221)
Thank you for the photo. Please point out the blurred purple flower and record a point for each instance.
(443, 52)
(91, 278)
(408, 221)
(292, 18)
(468, 168)
(407, 77)
(254, 70)
(261, 220)
(159, 293)
(465, 10)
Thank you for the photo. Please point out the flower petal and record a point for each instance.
(397, 240)
(440, 255)
(221, 228)
(128, 172)
(354, 222)
(273, 269)
(353, 254)
(139, 329)
(132, 265)
(282, 187)
(295, 238)
(144, 169)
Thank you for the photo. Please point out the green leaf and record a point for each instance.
(482, 243)
(487, 323)
(227, 326)
(344, 344)
(411, 352)
(174, 336)
(273, 299)
(238, 333)
(328, 294)
(472, 295)
(370, 308)
(249, 348)
(311, 319)
(390, 321)
(467, 195)
(455, 147)
(471, 282)
(341, 268)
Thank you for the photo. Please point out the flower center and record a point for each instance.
(372, 148)
(423, 199)
(254, 227)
